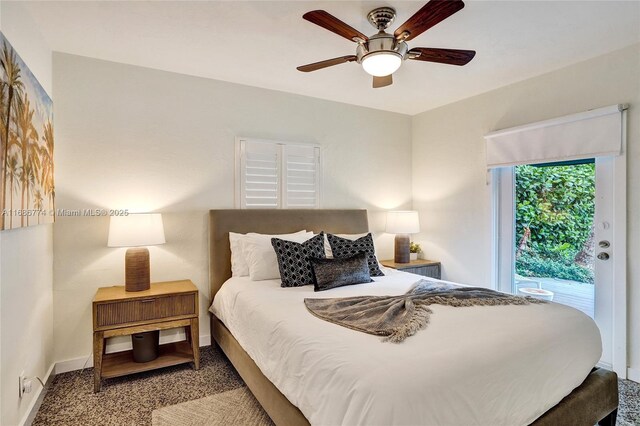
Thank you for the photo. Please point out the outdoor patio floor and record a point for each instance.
(576, 294)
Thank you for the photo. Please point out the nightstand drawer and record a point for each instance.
(148, 309)
(424, 267)
(427, 271)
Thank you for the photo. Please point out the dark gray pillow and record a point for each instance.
(293, 259)
(342, 247)
(332, 273)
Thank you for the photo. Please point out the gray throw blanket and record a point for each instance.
(398, 317)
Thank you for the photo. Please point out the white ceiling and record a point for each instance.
(261, 43)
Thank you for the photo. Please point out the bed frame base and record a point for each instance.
(610, 420)
(594, 401)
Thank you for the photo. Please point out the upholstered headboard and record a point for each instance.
(272, 221)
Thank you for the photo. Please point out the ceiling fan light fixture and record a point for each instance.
(381, 64)
(382, 53)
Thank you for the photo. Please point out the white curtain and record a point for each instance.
(595, 133)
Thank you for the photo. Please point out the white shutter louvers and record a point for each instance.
(301, 168)
(277, 175)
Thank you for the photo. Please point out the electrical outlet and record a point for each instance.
(21, 384)
(24, 385)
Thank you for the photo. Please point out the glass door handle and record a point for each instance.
(603, 256)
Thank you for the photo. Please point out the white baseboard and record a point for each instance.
(87, 362)
(605, 365)
(34, 406)
(205, 340)
(74, 364)
(633, 374)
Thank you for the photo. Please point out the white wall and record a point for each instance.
(148, 140)
(449, 170)
(26, 261)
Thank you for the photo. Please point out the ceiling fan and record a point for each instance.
(382, 54)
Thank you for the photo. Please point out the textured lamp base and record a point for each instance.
(401, 251)
(136, 270)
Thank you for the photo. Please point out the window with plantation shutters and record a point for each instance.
(275, 175)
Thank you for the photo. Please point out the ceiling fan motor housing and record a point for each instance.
(382, 42)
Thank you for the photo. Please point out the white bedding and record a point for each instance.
(481, 365)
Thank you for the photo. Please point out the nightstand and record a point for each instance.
(165, 305)
(427, 268)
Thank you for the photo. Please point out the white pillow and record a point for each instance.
(239, 267)
(327, 247)
(261, 257)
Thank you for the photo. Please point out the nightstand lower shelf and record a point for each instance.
(121, 363)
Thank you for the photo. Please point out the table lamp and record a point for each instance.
(402, 223)
(136, 230)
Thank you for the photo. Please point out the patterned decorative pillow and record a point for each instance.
(332, 273)
(293, 259)
(341, 248)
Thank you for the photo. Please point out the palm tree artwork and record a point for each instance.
(27, 188)
(13, 171)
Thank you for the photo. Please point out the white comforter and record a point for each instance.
(503, 365)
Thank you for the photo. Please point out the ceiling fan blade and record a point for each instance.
(443, 56)
(431, 13)
(328, 63)
(382, 81)
(333, 24)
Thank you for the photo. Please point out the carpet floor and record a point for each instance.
(131, 400)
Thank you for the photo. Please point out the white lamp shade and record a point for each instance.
(142, 229)
(403, 222)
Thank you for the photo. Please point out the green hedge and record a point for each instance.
(530, 264)
(557, 205)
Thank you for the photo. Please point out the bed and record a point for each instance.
(567, 398)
